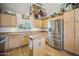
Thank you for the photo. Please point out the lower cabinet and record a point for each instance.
(14, 41)
(25, 40)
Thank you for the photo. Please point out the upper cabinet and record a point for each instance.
(13, 21)
(7, 20)
(45, 23)
(69, 16)
(4, 20)
(38, 23)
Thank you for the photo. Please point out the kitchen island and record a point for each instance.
(37, 44)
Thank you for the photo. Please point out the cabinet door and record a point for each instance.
(39, 46)
(25, 40)
(42, 46)
(69, 16)
(77, 38)
(0, 19)
(77, 31)
(45, 23)
(36, 47)
(14, 41)
(38, 23)
(4, 20)
(13, 21)
(69, 37)
(6, 43)
(41, 23)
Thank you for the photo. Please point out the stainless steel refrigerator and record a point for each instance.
(56, 33)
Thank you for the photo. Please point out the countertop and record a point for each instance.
(28, 33)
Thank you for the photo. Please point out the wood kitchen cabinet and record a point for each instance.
(38, 23)
(14, 42)
(25, 40)
(69, 37)
(69, 16)
(7, 20)
(13, 21)
(0, 19)
(6, 43)
(76, 31)
(69, 31)
(76, 38)
(41, 23)
(45, 23)
(4, 20)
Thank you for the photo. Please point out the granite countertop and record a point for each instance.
(30, 34)
(38, 35)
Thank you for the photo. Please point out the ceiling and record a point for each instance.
(24, 8)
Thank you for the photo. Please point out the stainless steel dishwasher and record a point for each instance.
(2, 45)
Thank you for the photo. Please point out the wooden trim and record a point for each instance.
(71, 53)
